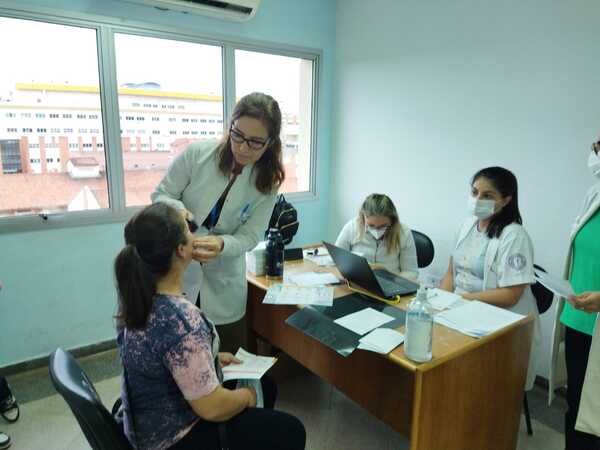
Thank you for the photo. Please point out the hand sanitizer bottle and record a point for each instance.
(419, 328)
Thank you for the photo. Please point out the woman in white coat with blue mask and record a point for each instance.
(378, 235)
(227, 190)
(493, 258)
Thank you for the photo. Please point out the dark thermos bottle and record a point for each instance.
(274, 251)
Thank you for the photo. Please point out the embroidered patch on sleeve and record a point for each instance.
(517, 262)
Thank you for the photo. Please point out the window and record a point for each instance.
(10, 155)
(45, 83)
(291, 84)
(199, 74)
(75, 84)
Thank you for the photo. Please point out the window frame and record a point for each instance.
(106, 28)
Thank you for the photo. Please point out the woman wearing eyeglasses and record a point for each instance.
(575, 321)
(227, 190)
(378, 235)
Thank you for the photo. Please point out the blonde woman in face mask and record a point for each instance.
(493, 258)
(378, 235)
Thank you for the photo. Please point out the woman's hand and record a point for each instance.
(187, 215)
(251, 397)
(226, 358)
(207, 248)
(588, 301)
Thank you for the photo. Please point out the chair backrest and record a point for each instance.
(543, 296)
(99, 427)
(425, 250)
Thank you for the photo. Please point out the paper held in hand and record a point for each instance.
(559, 286)
(252, 367)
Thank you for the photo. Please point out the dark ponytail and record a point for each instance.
(151, 238)
(505, 182)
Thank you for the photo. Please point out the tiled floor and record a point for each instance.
(332, 421)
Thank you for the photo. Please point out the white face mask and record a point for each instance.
(482, 209)
(594, 164)
(377, 233)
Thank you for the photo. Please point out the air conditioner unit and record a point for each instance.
(239, 10)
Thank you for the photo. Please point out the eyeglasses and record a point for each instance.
(596, 147)
(253, 143)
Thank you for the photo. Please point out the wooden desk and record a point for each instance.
(468, 397)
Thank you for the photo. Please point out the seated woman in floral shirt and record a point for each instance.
(171, 390)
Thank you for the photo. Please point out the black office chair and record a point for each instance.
(543, 299)
(425, 250)
(99, 427)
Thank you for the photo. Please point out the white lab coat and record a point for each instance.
(195, 182)
(509, 262)
(402, 261)
(588, 419)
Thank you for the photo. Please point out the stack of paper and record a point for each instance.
(313, 279)
(320, 256)
(440, 299)
(363, 321)
(381, 340)
(283, 294)
(252, 367)
(476, 318)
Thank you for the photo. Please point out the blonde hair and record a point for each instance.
(381, 205)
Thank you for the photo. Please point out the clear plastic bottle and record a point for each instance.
(419, 328)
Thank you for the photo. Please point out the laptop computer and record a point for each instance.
(357, 270)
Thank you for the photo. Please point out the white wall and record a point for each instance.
(428, 92)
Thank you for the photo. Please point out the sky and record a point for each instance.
(48, 53)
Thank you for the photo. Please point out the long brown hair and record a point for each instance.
(151, 238)
(269, 168)
(381, 205)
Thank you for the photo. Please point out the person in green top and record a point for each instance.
(579, 314)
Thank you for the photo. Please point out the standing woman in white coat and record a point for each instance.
(378, 235)
(228, 189)
(493, 258)
(574, 325)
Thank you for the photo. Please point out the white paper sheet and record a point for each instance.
(313, 279)
(559, 286)
(363, 321)
(440, 299)
(283, 294)
(381, 340)
(253, 366)
(476, 318)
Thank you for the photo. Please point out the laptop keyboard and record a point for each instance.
(388, 287)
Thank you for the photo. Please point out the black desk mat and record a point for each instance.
(318, 321)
